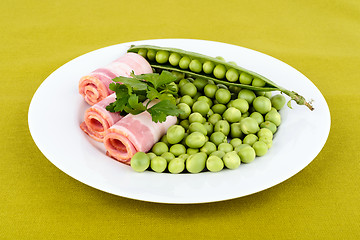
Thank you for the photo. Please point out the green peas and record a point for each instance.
(235, 130)
(235, 142)
(205, 99)
(187, 99)
(178, 75)
(182, 82)
(248, 95)
(175, 134)
(222, 126)
(188, 89)
(143, 52)
(184, 156)
(269, 125)
(185, 124)
(250, 139)
(247, 154)
(151, 54)
(208, 148)
(208, 67)
(177, 149)
(213, 119)
(218, 153)
(232, 115)
(186, 110)
(201, 107)
(140, 161)
(159, 148)
(218, 137)
(260, 148)
(219, 71)
(245, 78)
(214, 164)
(209, 127)
(262, 104)
(268, 141)
(196, 117)
(196, 162)
(225, 147)
(158, 164)
(162, 56)
(210, 90)
(268, 95)
(219, 108)
(240, 104)
(265, 133)
(174, 59)
(257, 116)
(231, 160)
(195, 66)
(232, 75)
(278, 101)
(249, 125)
(151, 155)
(184, 62)
(176, 165)
(168, 156)
(223, 96)
(195, 140)
(257, 82)
(274, 117)
(197, 127)
(192, 151)
(200, 83)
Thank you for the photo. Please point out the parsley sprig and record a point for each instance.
(133, 92)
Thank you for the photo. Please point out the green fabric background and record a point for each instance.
(319, 38)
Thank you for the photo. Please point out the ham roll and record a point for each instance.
(134, 133)
(95, 86)
(97, 119)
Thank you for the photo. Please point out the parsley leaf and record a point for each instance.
(162, 109)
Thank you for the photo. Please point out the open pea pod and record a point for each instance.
(150, 53)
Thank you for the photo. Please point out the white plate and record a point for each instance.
(57, 109)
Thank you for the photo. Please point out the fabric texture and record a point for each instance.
(319, 38)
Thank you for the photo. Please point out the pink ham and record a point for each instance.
(97, 119)
(134, 133)
(95, 86)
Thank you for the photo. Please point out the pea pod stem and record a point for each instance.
(272, 86)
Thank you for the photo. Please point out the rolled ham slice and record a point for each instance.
(97, 119)
(134, 133)
(95, 86)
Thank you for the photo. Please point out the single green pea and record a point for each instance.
(274, 117)
(209, 128)
(184, 62)
(201, 107)
(158, 164)
(265, 133)
(159, 148)
(213, 119)
(196, 162)
(219, 71)
(262, 104)
(192, 151)
(232, 75)
(142, 52)
(257, 116)
(178, 75)
(249, 125)
(187, 99)
(218, 137)
(247, 94)
(245, 78)
(176, 165)
(151, 155)
(140, 162)
(208, 148)
(268, 141)
(182, 82)
(162, 56)
(222, 126)
(195, 140)
(268, 94)
(195, 66)
(151, 54)
(164, 140)
(205, 99)
(257, 82)
(174, 59)
(278, 101)
(175, 134)
(188, 89)
(241, 146)
(186, 110)
(208, 67)
(235, 142)
(210, 90)
(196, 117)
(246, 114)
(234, 89)
(247, 154)
(235, 130)
(218, 153)
(214, 163)
(250, 139)
(260, 148)
(168, 156)
(184, 156)
(232, 115)
(185, 124)
(177, 149)
(197, 127)
(240, 104)
(259, 93)
(231, 160)
(200, 83)
(225, 147)
(223, 96)
(219, 108)
(269, 125)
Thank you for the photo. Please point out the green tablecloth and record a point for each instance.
(319, 38)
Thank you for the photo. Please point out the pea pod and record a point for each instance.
(218, 75)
